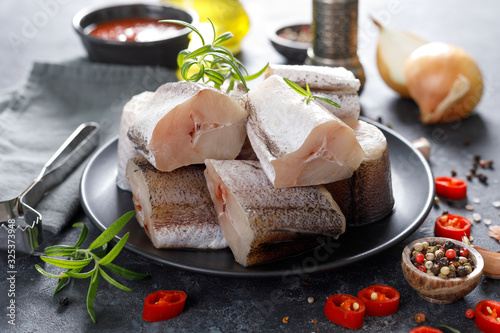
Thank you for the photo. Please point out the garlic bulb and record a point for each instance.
(424, 146)
(444, 81)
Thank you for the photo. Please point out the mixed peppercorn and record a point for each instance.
(446, 260)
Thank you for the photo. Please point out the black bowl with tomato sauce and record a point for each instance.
(130, 34)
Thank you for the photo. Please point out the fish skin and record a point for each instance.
(350, 108)
(247, 152)
(298, 144)
(318, 77)
(126, 150)
(335, 83)
(175, 207)
(187, 122)
(367, 196)
(251, 210)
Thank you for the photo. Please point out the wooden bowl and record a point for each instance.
(435, 289)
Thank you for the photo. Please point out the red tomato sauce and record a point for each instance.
(134, 30)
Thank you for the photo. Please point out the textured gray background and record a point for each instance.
(239, 305)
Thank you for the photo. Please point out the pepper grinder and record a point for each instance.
(335, 36)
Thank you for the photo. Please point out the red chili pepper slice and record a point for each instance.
(385, 303)
(451, 187)
(425, 329)
(452, 226)
(340, 309)
(163, 305)
(487, 313)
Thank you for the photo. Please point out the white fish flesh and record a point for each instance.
(174, 208)
(256, 218)
(366, 197)
(335, 83)
(126, 149)
(186, 123)
(298, 144)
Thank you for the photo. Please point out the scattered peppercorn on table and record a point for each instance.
(292, 303)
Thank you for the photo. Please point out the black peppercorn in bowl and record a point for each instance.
(119, 43)
(292, 41)
(433, 276)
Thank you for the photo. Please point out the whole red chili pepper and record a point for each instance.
(452, 226)
(380, 300)
(345, 310)
(487, 313)
(451, 187)
(163, 305)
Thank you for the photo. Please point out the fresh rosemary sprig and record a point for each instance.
(307, 93)
(215, 62)
(454, 330)
(74, 259)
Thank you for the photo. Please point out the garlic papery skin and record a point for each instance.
(393, 49)
(424, 146)
(444, 81)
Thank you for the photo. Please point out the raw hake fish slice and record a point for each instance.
(366, 197)
(350, 107)
(247, 152)
(174, 208)
(318, 77)
(254, 215)
(126, 149)
(186, 123)
(335, 83)
(298, 144)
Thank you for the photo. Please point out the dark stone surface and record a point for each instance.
(243, 305)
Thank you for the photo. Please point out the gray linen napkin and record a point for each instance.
(36, 119)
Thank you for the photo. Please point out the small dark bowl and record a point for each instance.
(294, 51)
(162, 52)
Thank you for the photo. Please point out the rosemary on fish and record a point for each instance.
(215, 63)
(307, 93)
(74, 259)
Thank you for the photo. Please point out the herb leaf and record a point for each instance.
(59, 250)
(187, 25)
(47, 274)
(210, 59)
(112, 230)
(80, 258)
(223, 38)
(83, 234)
(78, 275)
(450, 328)
(123, 272)
(115, 251)
(63, 281)
(94, 283)
(307, 93)
(256, 75)
(329, 101)
(63, 263)
(112, 281)
(295, 87)
(102, 252)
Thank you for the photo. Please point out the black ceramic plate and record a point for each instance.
(413, 187)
